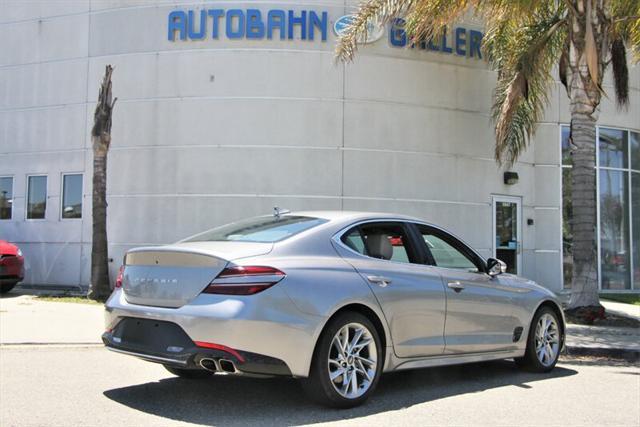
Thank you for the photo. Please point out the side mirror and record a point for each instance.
(496, 267)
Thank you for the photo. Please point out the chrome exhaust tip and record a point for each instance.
(210, 365)
(228, 366)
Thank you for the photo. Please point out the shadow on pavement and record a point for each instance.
(228, 401)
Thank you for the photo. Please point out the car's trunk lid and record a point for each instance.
(171, 276)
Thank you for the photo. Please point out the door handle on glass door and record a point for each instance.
(456, 286)
(382, 281)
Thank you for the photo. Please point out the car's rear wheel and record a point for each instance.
(347, 362)
(192, 374)
(6, 287)
(543, 343)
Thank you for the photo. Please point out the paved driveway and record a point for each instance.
(89, 386)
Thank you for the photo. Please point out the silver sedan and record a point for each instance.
(332, 298)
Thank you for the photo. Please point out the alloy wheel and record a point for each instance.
(352, 360)
(547, 340)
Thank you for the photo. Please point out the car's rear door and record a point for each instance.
(410, 293)
(479, 308)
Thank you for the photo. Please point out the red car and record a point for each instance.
(11, 266)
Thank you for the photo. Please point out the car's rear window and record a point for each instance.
(264, 229)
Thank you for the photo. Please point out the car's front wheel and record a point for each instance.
(347, 362)
(543, 343)
(191, 374)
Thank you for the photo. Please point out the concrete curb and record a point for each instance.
(627, 354)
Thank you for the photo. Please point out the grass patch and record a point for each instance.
(626, 298)
(64, 298)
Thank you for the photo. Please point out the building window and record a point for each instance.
(6, 197)
(567, 210)
(614, 230)
(36, 197)
(634, 153)
(618, 171)
(71, 196)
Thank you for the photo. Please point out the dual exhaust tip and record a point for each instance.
(219, 365)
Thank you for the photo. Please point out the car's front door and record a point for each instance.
(479, 308)
(410, 293)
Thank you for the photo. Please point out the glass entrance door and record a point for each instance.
(507, 231)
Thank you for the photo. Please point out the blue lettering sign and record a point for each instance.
(305, 25)
(197, 35)
(215, 15)
(397, 34)
(461, 41)
(445, 48)
(255, 27)
(475, 43)
(319, 23)
(276, 20)
(235, 15)
(301, 20)
(177, 22)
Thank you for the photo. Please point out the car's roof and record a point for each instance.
(352, 215)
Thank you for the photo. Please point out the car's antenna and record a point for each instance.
(277, 211)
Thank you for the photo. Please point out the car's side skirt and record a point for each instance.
(401, 364)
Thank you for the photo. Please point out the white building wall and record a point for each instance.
(210, 131)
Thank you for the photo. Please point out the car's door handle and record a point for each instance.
(456, 286)
(382, 281)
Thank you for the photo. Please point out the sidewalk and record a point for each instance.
(24, 319)
(622, 309)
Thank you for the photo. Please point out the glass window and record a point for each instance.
(447, 256)
(36, 197)
(614, 229)
(444, 253)
(6, 197)
(72, 196)
(567, 228)
(386, 241)
(354, 240)
(635, 197)
(264, 229)
(566, 148)
(635, 150)
(613, 148)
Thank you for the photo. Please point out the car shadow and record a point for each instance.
(231, 401)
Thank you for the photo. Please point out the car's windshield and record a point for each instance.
(264, 229)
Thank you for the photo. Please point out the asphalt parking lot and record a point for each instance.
(89, 386)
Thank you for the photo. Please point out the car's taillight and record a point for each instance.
(244, 280)
(119, 278)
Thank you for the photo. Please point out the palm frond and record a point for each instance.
(524, 57)
(370, 11)
(620, 72)
(626, 24)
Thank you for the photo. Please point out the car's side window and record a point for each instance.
(444, 253)
(388, 241)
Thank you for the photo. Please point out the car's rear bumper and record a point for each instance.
(11, 269)
(167, 343)
(266, 330)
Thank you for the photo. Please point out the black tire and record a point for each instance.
(191, 374)
(530, 361)
(6, 287)
(318, 385)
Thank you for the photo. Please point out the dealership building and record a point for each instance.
(227, 109)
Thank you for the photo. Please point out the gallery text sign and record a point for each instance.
(280, 24)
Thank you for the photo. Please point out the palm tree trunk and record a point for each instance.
(584, 287)
(587, 38)
(100, 287)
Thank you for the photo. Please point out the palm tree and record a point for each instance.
(524, 41)
(101, 139)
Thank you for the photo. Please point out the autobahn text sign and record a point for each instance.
(308, 25)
